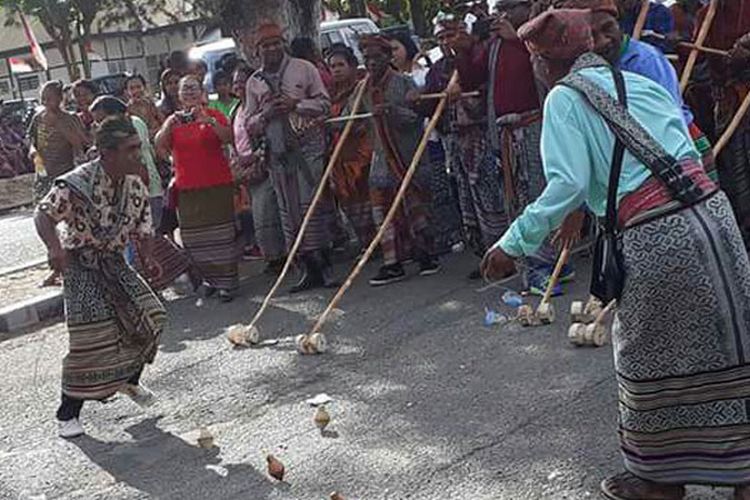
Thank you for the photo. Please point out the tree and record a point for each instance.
(69, 23)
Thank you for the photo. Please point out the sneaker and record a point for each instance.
(567, 275)
(252, 253)
(139, 394)
(428, 267)
(538, 281)
(70, 429)
(388, 274)
(226, 296)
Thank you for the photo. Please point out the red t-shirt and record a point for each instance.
(198, 154)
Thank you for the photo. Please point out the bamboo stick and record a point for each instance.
(733, 125)
(561, 261)
(700, 48)
(349, 118)
(316, 198)
(391, 212)
(702, 34)
(440, 95)
(640, 22)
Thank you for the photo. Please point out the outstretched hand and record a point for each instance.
(497, 265)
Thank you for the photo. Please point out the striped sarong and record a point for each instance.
(444, 211)
(480, 194)
(682, 348)
(114, 320)
(295, 175)
(209, 235)
(266, 220)
(172, 259)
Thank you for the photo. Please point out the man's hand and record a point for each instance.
(380, 110)
(497, 265)
(502, 28)
(570, 232)
(412, 97)
(740, 53)
(58, 259)
(454, 91)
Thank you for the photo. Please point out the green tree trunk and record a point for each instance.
(416, 8)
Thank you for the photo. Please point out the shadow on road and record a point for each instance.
(162, 465)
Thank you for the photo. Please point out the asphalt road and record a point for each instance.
(19, 243)
(429, 404)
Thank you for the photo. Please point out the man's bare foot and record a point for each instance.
(626, 486)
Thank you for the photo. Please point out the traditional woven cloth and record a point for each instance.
(444, 204)
(208, 233)
(266, 220)
(114, 319)
(682, 347)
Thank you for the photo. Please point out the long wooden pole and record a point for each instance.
(440, 95)
(561, 261)
(316, 198)
(733, 125)
(640, 22)
(391, 212)
(702, 34)
(688, 45)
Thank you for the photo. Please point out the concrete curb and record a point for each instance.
(23, 267)
(31, 312)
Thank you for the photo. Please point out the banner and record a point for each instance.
(36, 49)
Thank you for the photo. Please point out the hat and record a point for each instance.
(562, 34)
(608, 6)
(267, 31)
(443, 22)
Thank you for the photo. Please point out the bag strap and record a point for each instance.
(610, 222)
(637, 139)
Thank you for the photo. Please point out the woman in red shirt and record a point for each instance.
(195, 136)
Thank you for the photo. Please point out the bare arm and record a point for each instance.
(163, 138)
(46, 229)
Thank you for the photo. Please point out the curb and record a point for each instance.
(31, 312)
(23, 267)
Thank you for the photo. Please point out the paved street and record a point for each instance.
(19, 243)
(429, 404)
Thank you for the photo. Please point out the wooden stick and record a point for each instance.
(391, 212)
(349, 118)
(600, 318)
(700, 48)
(440, 95)
(318, 194)
(702, 34)
(640, 23)
(561, 261)
(733, 125)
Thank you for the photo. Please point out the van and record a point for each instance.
(346, 31)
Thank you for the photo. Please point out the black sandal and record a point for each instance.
(626, 486)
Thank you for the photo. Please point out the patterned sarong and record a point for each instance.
(266, 220)
(480, 193)
(682, 346)
(208, 233)
(444, 211)
(114, 320)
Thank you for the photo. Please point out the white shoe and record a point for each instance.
(70, 429)
(139, 394)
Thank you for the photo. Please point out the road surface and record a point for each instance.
(429, 404)
(19, 243)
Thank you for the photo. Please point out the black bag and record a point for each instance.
(608, 272)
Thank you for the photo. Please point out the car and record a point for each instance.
(18, 111)
(346, 31)
(111, 84)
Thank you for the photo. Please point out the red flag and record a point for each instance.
(19, 65)
(36, 49)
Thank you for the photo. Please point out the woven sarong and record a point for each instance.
(480, 193)
(114, 320)
(445, 214)
(682, 348)
(208, 233)
(266, 220)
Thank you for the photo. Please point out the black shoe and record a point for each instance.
(226, 296)
(476, 274)
(428, 267)
(274, 267)
(311, 276)
(388, 274)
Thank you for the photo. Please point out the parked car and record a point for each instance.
(18, 111)
(347, 32)
(111, 84)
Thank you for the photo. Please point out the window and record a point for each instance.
(153, 68)
(28, 83)
(4, 87)
(116, 67)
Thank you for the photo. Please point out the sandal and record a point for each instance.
(742, 492)
(626, 486)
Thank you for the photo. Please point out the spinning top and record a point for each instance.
(243, 336)
(576, 333)
(576, 313)
(205, 438)
(275, 468)
(303, 344)
(594, 334)
(526, 315)
(545, 313)
(321, 418)
(318, 342)
(337, 496)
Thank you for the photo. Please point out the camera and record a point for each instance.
(187, 117)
